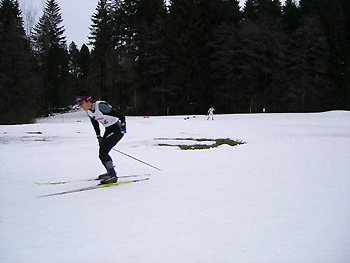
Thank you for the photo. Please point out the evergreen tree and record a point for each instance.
(84, 64)
(346, 78)
(224, 90)
(346, 9)
(19, 84)
(127, 55)
(308, 58)
(335, 19)
(248, 64)
(151, 60)
(275, 9)
(254, 9)
(216, 12)
(74, 67)
(312, 7)
(101, 41)
(251, 9)
(128, 9)
(50, 48)
(74, 72)
(182, 39)
(79, 62)
(213, 14)
(290, 16)
(156, 61)
(231, 11)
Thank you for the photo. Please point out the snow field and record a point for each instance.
(283, 197)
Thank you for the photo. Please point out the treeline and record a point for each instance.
(151, 59)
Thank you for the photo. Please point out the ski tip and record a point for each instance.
(51, 183)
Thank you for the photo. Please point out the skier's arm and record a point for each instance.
(96, 126)
(108, 110)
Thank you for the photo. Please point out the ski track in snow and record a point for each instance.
(283, 197)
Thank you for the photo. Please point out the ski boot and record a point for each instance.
(102, 176)
(108, 178)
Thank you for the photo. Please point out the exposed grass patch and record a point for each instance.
(217, 143)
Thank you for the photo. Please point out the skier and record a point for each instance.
(211, 113)
(115, 128)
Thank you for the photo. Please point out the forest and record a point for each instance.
(149, 58)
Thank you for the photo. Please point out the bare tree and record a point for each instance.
(29, 14)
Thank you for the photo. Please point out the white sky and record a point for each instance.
(76, 16)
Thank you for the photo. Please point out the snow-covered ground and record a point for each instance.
(283, 197)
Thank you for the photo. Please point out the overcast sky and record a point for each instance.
(76, 15)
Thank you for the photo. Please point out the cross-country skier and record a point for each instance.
(115, 127)
(211, 113)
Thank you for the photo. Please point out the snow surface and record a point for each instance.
(283, 197)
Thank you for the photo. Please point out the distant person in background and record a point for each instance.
(115, 128)
(211, 113)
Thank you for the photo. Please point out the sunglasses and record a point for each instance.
(81, 99)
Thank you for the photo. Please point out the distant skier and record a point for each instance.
(211, 113)
(115, 127)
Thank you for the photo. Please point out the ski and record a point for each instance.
(87, 180)
(99, 186)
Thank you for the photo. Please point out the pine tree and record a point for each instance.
(248, 64)
(308, 58)
(224, 90)
(251, 9)
(182, 39)
(275, 9)
(255, 9)
(127, 56)
(312, 7)
(101, 41)
(84, 63)
(213, 14)
(231, 11)
(129, 10)
(336, 18)
(79, 63)
(48, 33)
(151, 62)
(50, 48)
(19, 84)
(290, 16)
(74, 67)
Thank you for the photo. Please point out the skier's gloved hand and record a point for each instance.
(99, 138)
(123, 127)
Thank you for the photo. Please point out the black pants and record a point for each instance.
(110, 138)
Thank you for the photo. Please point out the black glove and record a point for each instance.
(99, 138)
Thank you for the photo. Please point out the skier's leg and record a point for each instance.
(109, 140)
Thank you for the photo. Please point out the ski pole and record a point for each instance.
(136, 159)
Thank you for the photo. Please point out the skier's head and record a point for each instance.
(84, 99)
